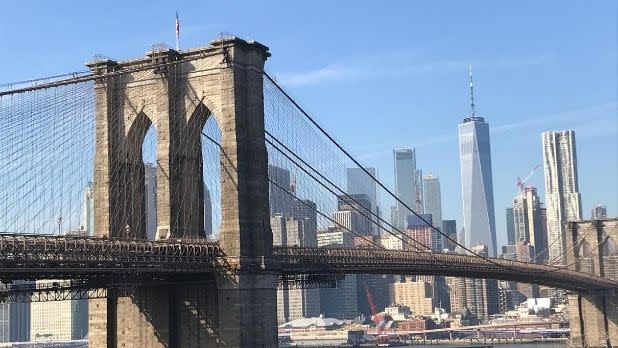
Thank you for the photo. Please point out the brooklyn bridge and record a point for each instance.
(214, 110)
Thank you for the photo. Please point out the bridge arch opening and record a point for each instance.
(585, 256)
(204, 136)
(149, 159)
(609, 248)
(140, 165)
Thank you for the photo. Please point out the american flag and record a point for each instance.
(177, 26)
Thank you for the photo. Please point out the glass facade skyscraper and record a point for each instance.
(358, 182)
(476, 181)
(405, 183)
(432, 201)
(510, 226)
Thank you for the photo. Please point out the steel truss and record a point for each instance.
(309, 281)
(32, 257)
(303, 260)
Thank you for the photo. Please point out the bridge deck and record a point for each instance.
(380, 261)
(67, 257)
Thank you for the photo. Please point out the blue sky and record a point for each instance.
(382, 75)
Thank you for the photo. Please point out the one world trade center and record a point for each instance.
(476, 181)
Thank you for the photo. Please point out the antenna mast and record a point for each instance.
(472, 94)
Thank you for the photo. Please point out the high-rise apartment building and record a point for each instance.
(433, 205)
(418, 295)
(295, 303)
(405, 183)
(520, 218)
(476, 181)
(563, 201)
(358, 182)
(150, 182)
(510, 226)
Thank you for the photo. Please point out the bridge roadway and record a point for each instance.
(28, 256)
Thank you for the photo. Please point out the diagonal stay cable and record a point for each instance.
(357, 163)
(338, 188)
(304, 203)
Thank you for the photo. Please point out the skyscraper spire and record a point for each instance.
(472, 94)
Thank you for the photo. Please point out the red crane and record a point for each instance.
(372, 305)
(520, 182)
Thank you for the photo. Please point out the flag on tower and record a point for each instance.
(177, 26)
(177, 30)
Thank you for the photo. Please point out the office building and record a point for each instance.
(150, 182)
(360, 183)
(476, 181)
(418, 183)
(355, 213)
(432, 202)
(509, 252)
(394, 217)
(537, 230)
(280, 200)
(405, 183)
(420, 232)
(457, 291)
(306, 211)
(563, 201)
(340, 302)
(449, 228)
(88, 210)
(58, 320)
(207, 212)
(352, 221)
(14, 320)
(394, 241)
(510, 226)
(599, 212)
(294, 304)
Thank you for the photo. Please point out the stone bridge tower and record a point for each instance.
(177, 96)
(593, 317)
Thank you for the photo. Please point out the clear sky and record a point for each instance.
(384, 74)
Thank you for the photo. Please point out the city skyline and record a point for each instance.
(114, 174)
(423, 77)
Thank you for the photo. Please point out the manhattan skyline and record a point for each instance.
(546, 75)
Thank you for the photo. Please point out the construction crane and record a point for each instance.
(372, 305)
(521, 183)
